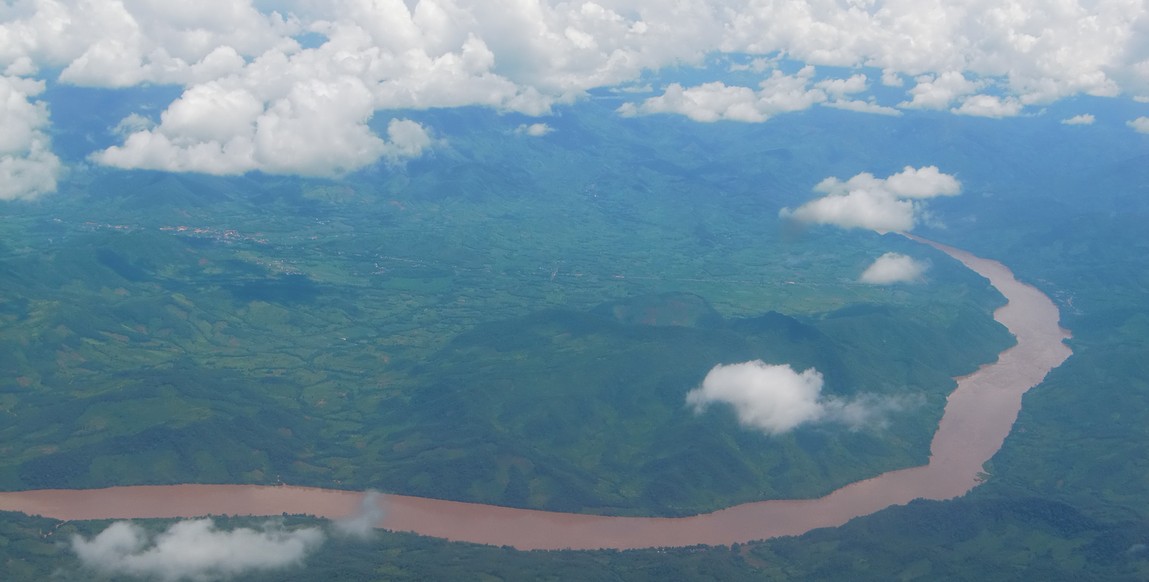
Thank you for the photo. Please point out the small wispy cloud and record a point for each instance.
(363, 523)
(1083, 119)
(864, 107)
(534, 129)
(195, 550)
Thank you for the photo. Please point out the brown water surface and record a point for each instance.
(978, 416)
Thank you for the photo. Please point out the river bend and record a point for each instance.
(978, 415)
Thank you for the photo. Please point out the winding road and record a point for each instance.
(979, 414)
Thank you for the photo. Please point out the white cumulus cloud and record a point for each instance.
(1141, 124)
(938, 91)
(707, 102)
(194, 550)
(872, 209)
(28, 168)
(1033, 51)
(124, 43)
(315, 127)
(839, 88)
(888, 204)
(893, 268)
(776, 399)
(778, 93)
(924, 182)
(406, 139)
(989, 106)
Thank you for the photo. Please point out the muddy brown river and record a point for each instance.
(978, 416)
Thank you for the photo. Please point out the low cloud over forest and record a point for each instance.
(197, 550)
(893, 268)
(775, 399)
(893, 204)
